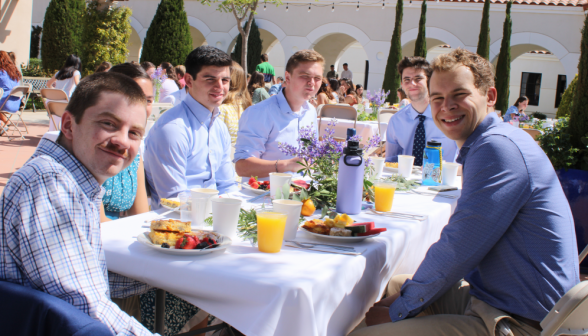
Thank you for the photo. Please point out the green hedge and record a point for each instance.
(567, 100)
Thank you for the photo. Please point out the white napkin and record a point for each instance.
(327, 249)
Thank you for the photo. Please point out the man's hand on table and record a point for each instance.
(379, 313)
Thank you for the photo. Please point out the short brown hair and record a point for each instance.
(416, 62)
(90, 89)
(480, 67)
(264, 58)
(303, 56)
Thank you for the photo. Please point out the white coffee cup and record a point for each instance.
(225, 215)
(277, 180)
(379, 163)
(449, 173)
(405, 163)
(201, 206)
(292, 209)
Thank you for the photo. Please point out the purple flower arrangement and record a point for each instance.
(159, 76)
(377, 99)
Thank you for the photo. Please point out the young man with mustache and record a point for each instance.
(411, 128)
(279, 119)
(50, 236)
(508, 253)
(188, 148)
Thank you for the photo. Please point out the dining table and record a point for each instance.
(295, 291)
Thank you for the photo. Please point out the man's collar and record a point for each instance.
(414, 114)
(85, 179)
(199, 111)
(489, 121)
(285, 106)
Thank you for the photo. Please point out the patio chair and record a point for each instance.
(384, 116)
(569, 316)
(26, 311)
(158, 109)
(53, 95)
(21, 92)
(344, 112)
(532, 132)
(37, 83)
(56, 108)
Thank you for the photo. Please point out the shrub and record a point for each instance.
(539, 115)
(391, 75)
(503, 65)
(567, 100)
(420, 47)
(62, 32)
(484, 37)
(35, 40)
(106, 34)
(557, 145)
(168, 38)
(35, 69)
(578, 112)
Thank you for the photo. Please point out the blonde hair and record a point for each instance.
(480, 67)
(238, 94)
(304, 56)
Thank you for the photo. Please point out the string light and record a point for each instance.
(384, 4)
(357, 9)
(286, 6)
(333, 8)
(309, 8)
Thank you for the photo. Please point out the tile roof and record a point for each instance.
(533, 2)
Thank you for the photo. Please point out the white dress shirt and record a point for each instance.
(347, 74)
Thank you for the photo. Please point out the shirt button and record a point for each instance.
(422, 299)
(399, 314)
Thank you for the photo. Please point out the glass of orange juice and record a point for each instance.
(270, 230)
(384, 193)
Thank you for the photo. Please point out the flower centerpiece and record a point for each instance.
(158, 77)
(320, 161)
(376, 100)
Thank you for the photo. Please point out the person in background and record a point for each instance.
(66, 79)
(402, 98)
(180, 72)
(188, 147)
(248, 78)
(9, 78)
(359, 92)
(149, 68)
(256, 88)
(171, 83)
(237, 100)
(275, 89)
(332, 73)
(325, 94)
(49, 210)
(346, 73)
(351, 97)
(334, 85)
(279, 119)
(126, 192)
(12, 56)
(517, 109)
(103, 67)
(269, 75)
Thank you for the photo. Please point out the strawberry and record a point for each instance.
(252, 179)
(266, 183)
(254, 185)
(187, 242)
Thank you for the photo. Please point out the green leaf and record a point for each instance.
(324, 212)
(286, 191)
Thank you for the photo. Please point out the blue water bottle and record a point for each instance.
(350, 179)
(432, 163)
(350, 133)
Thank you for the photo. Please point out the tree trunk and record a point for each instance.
(245, 40)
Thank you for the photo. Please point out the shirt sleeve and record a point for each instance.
(491, 198)
(168, 151)
(393, 148)
(252, 135)
(55, 244)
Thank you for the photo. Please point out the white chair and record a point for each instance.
(158, 109)
(344, 112)
(56, 108)
(384, 116)
(21, 92)
(53, 95)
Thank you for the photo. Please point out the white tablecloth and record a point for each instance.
(365, 129)
(294, 292)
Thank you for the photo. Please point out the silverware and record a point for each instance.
(162, 215)
(399, 215)
(311, 245)
(258, 197)
(426, 193)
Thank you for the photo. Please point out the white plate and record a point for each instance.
(255, 191)
(224, 242)
(177, 199)
(339, 238)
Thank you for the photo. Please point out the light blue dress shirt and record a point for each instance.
(263, 125)
(400, 134)
(187, 148)
(512, 233)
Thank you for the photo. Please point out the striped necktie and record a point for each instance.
(418, 145)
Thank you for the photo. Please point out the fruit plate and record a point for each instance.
(255, 191)
(225, 242)
(176, 199)
(339, 238)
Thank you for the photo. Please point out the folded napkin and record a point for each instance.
(320, 248)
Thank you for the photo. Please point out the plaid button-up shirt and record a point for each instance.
(50, 237)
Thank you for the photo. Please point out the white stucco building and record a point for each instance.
(352, 36)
